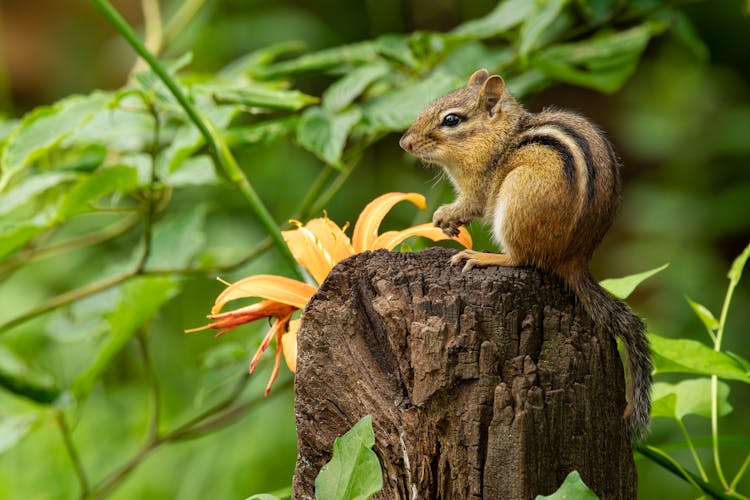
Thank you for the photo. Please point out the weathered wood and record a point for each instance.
(487, 384)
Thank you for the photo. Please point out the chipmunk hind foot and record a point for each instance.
(474, 259)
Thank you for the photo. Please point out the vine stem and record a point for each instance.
(661, 458)
(216, 143)
(715, 385)
(691, 446)
(740, 472)
(72, 452)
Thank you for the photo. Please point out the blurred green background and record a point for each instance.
(681, 125)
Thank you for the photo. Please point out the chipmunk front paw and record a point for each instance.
(449, 218)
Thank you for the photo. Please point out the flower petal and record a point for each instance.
(368, 223)
(332, 237)
(278, 328)
(276, 364)
(289, 343)
(390, 239)
(318, 245)
(277, 288)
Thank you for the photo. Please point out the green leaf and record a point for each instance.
(324, 133)
(14, 236)
(573, 488)
(264, 132)
(18, 377)
(43, 128)
(262, 57)
(127, 127)
(535, 25)
(597, 10)
(684, 32)
(735, 272)
(739, 359)
(602, 63)
(188, 138)
(30, 188)
(263, 496)
(140, 300)
(91, 187)
(194, 171)
(177, 239)
(397, 109)
(14, 428)
(623, 287)
(343, 92)
(6, 127)
(688, 397)
(466, 58)
(264, 97)
(705, 315)
(346, 55)
(354, 470)
(152, 84)
(505, 16)
(690, 356)
(398, 48)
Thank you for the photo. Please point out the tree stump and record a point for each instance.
(487, 384)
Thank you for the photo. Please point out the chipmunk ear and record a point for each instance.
(478, 77)
(491, 94)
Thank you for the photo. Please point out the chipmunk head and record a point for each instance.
(464, 128)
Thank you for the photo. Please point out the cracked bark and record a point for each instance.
(488, 384)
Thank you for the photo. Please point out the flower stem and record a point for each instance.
(217, 145)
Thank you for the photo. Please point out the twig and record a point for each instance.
(100, 236)
(150, 202)
(75, 459)
(153, 384)
(66, 298)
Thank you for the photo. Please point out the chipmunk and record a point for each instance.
(548, 183)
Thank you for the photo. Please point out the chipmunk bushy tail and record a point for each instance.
(615, 316)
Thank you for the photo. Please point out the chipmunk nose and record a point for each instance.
(407, 143)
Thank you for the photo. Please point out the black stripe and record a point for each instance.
(565, 155)
(583, 144)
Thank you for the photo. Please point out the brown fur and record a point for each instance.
(548, 184)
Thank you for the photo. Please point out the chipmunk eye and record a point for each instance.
(451, 120)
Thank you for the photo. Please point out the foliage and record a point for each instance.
(117, 206)
(572, 488)
(707, 396)
(354, 470)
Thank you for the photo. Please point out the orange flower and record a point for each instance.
(318, 246)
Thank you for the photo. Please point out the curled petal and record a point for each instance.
(276, 364)
(390, 239)
(230, 320)
(368, 223)
(289, 343)
(279, 327)
(276, 288)
(318, 246)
